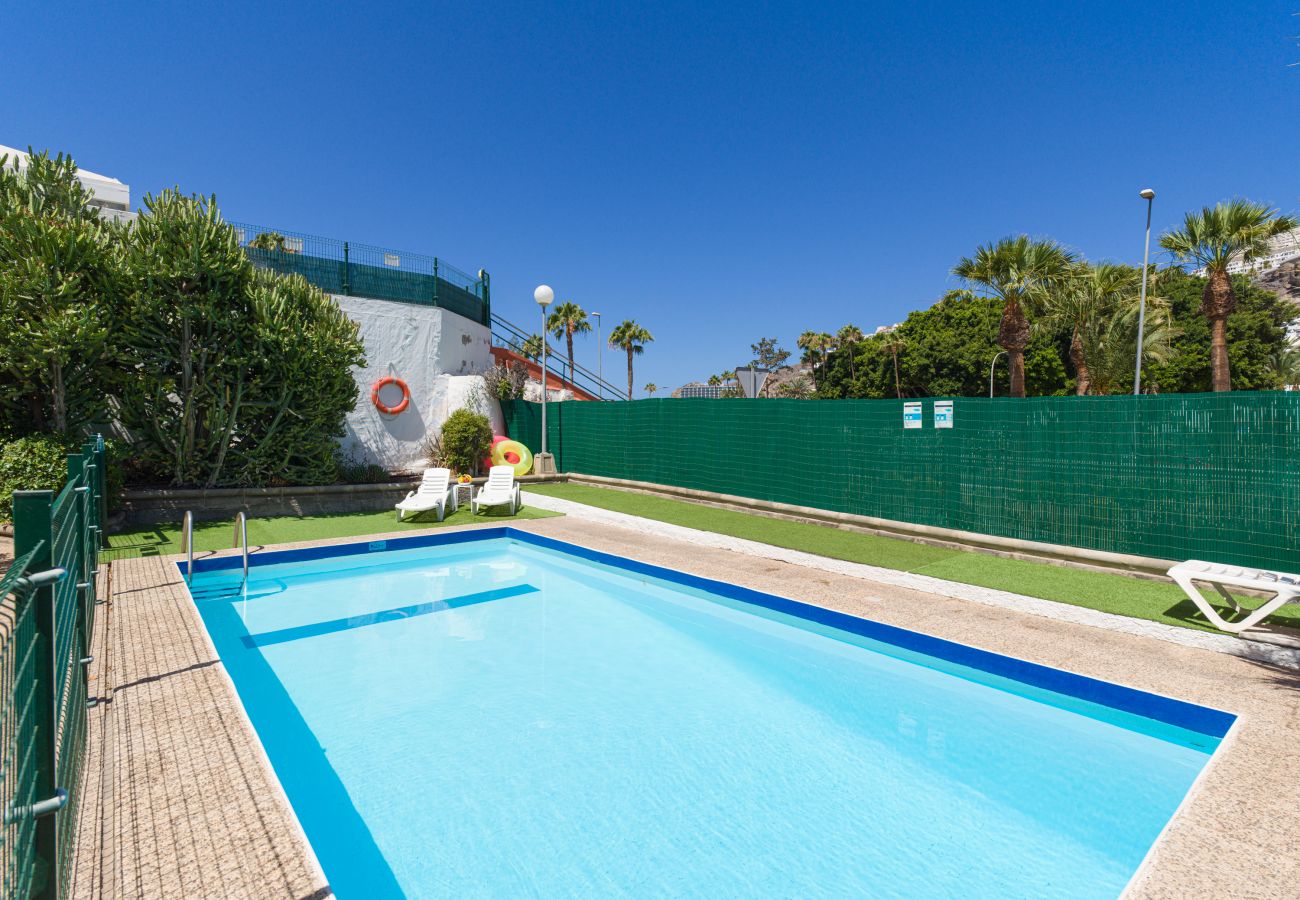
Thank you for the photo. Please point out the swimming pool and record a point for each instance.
(494, 713)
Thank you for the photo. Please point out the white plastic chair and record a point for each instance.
(500, 490)
(434, 492)
(1284, 587)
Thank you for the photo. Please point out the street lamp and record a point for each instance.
(993, 365)
(600, 360)
(543, 463)
(1148, 195)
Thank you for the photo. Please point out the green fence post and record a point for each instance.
(80, 476)
(33, 529)
(487, 296)
(347, 274)
(435, 281)
(101, 492)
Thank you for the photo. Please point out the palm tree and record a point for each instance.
(1214, 238)
(1110, 343)
(532, 347)
(732, 388)
(847, 339)
(565, 321)
(715, 380)
(1082, 304)
(632, 338)
(651, 388)
(810, 343)
(892, 344)
(1018, 271)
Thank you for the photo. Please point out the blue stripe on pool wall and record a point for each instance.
(276, 557)
(1193, 717)
(333, 626)
(1212, 722)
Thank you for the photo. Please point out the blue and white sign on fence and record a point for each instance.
(912, 415)
(943, 414)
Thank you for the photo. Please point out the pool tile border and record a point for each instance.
(1193, 717)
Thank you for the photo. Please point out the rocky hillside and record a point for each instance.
(1285, 280)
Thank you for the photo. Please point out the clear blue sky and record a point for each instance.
(718, 173)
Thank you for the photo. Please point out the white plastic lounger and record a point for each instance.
(433, 493)
(500, 490)
(1284, 587)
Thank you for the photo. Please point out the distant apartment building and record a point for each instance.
(1281, 248)
(699, 389)
(110, 196)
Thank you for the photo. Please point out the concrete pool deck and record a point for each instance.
(179, 802)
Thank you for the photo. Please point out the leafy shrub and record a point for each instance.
(353, 471)
(506, 383)
(466, 439)
(240, 376)
(38, 462)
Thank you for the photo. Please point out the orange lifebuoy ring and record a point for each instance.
(383, 383)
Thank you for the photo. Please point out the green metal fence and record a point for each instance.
(362, 270)
(47, 617)
(1208, 476)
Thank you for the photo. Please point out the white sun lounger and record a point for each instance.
(500, 490)
(434, 492)
(1284, 587)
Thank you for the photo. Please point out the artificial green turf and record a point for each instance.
(160, 540)
(1113, 593)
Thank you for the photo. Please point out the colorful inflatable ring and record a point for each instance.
(512, 453)
(383, 383)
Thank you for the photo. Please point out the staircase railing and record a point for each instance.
(507, 334)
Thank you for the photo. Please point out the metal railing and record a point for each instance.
(187, 544)
(241, 538)
(364, 270)
(512, 337)
(47, 617)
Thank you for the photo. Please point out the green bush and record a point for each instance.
(240, 376)
(466, 440)
(353, 471)
(34, 463)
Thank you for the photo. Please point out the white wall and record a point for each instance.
(428, 348)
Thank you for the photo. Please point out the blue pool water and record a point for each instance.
(493, 718)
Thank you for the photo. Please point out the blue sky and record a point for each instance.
(717, 172)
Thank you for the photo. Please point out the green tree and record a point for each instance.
(948, 350)
(810, 342)
(236, 376)
(565, 321)
(1019, 272)
(1255, 332)
(631, 338)
(61, 296)
(893, 343)
(532, 347)
(1082, 305)
(1109, 343)
(770, 355)
(847, 339)
(650, 388)
(466, 440)
(1214, 238)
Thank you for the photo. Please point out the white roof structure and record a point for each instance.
(109, 192)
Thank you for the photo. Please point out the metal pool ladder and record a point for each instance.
(187, 541)
(187, 544)
(241, 538)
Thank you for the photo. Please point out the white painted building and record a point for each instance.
(439, 355)
(111, 196)
(1281, 248)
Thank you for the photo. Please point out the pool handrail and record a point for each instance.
(241, 537)
(187, 544)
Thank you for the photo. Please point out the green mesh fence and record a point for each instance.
(361, 270)
(46, 623)
(1176, 476)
